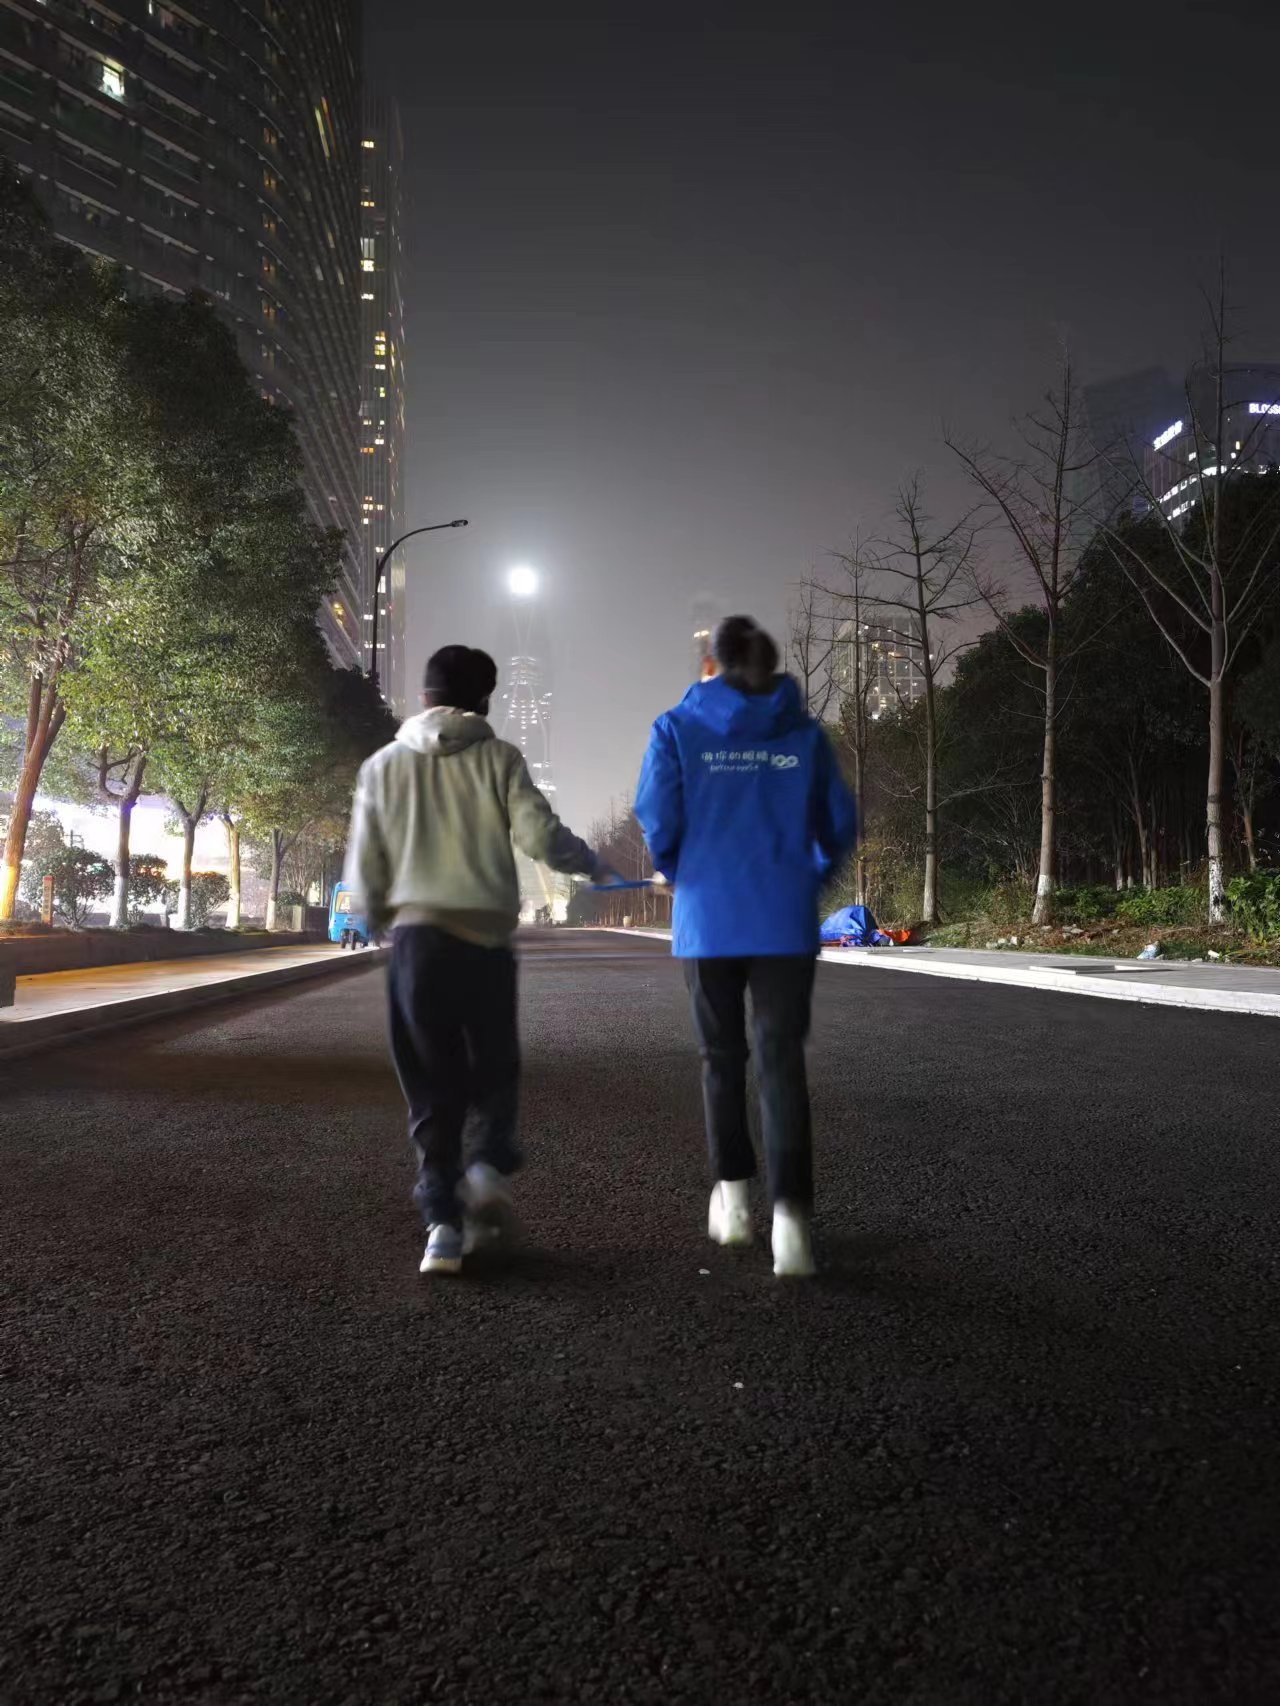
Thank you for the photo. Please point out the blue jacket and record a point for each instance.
(745, 811)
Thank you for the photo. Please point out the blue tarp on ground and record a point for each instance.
(855, 926)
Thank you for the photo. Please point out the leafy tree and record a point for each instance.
(70, 471)
(308, 740)
(238, 567)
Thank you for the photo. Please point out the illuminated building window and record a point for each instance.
(367, 266)
(113, 81)
(367, 144)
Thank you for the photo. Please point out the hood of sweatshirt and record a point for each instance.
(755, 716)
(443, 731)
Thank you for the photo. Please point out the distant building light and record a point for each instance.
(367, 144)
(113, 81)
(1167, 436)
(1264, 408)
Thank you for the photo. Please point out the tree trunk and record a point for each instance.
(24, 799)
(120, 895)
(124, 802)
(273, 890)
(190, 823)
(45, 716)
(188, 859)
(859, 857)
(1213, 804)
(234, 899)
(929, 900)
(1046, 882)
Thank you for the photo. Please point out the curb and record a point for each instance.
(1128, 985)
(30, 1036)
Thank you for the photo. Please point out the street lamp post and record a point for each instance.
(435, 527)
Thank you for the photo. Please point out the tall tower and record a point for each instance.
(526, 723)
(705, 618)
(382, 389)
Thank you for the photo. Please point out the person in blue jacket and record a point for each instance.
(745, 812)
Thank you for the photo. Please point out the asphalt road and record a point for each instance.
(1018, 1444)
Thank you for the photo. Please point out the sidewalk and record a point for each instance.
(60, 1006)
(1205, 985)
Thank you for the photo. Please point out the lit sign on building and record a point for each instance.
(1264, 408)
(1167, 436)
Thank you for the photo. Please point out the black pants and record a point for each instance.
(781, 999)
(456, 1048)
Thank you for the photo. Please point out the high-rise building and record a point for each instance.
(1182, 455)
(1119, 418)
(382, 390)
(214, 146)
(886, 656)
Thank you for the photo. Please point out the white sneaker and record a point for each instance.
(444, 1251)
(792, 1255)
(729, 1217)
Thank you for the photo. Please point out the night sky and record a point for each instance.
(688, 300)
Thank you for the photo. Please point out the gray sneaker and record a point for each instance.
(486, 1197)
(443, 1254)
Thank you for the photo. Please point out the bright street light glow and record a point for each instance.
(522, 581)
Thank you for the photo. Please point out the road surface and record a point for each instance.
(1019, 1444)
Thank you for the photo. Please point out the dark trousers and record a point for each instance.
(456, 1047)
(781, 999)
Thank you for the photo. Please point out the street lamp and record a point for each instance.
(522, 581)
(435, 527)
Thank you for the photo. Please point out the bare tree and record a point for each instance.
(1029, 494)
(928, 573)
(1206, 583)
(851, 610)
(812, 646)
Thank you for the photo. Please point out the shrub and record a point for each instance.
(1255, 904)
(1010, 902)
(149, 886)
(209, 889)
(79, 878)
(1182, 905)
(1081, 906)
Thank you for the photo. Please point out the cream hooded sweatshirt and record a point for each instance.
(432, 827)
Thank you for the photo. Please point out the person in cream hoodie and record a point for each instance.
(430, 854)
